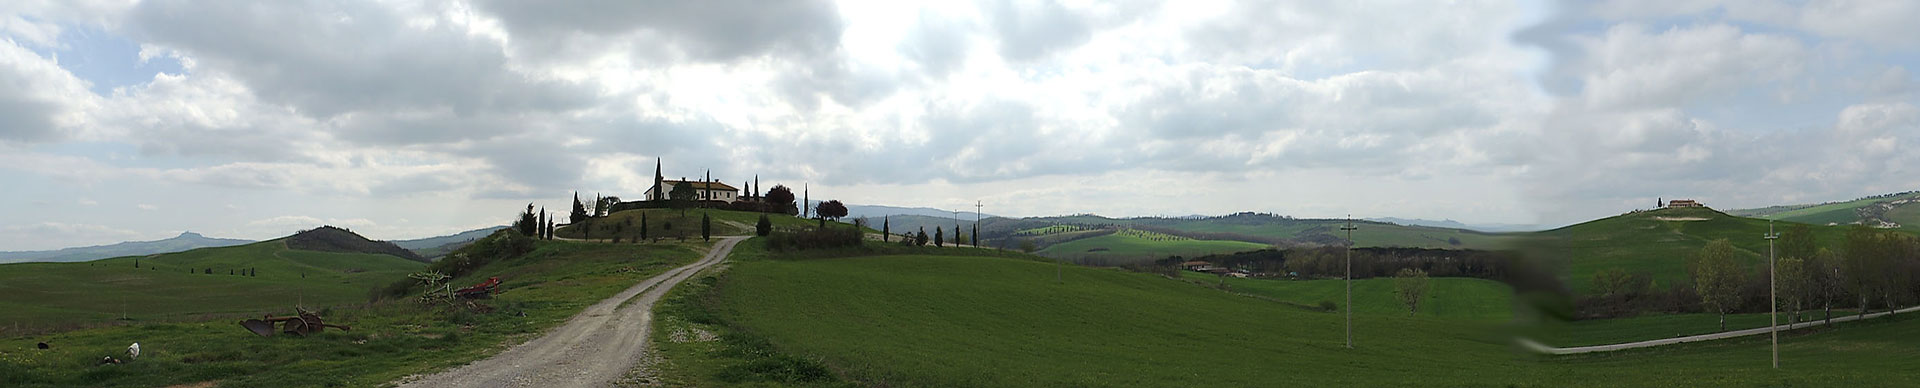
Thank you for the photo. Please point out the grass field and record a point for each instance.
(920, 320)
(1657, 242)
(176, 286)
(390, 340)
(1123, 247)
(1457, 298)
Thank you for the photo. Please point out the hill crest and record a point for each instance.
(333, 239)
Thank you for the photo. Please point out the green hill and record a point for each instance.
(937, 320)
(1900, 210)
(1657, 242)
(252, 278)
(1258, 228)
(1133, 245)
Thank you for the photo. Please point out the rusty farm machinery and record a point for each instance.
(302, 323)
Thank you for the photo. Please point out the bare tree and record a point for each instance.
(1410, 284)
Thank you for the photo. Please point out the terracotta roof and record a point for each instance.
(699, 185)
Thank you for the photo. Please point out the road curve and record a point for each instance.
(1542, 348)
(592, 349)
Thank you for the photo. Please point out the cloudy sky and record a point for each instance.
(402, 119)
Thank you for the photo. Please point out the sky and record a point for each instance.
(137, 120)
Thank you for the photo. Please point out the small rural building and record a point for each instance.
(1684, 203)
(703, 191)
(1197, 265)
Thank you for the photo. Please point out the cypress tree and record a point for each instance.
(706, 228)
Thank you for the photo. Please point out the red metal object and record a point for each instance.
(302, 324)
(483, 290)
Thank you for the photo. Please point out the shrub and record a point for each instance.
(763, 227)
(1328, 305)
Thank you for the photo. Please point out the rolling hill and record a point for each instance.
(263, 276)
(185, 241)
(433, 247)
(1657, 242)
(1897, 210)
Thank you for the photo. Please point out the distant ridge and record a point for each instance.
(184, 242)
(332, 239)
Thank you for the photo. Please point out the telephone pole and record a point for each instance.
(1349, 228)
(1773, 304)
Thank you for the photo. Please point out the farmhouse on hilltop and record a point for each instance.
(703, 191)
(1684, 203)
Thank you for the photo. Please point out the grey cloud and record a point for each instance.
(25, 118)
(328, 58)
(715, 30)
(1031, 30)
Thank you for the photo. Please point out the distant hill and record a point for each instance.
(1271, 229)
(332, 239)
(185, 241)
(1896, 210)
(433, 247)
(877, 211)
(1451, 224)
(252, 278)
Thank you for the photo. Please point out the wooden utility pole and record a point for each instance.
(1773, 304)
(1349, 228)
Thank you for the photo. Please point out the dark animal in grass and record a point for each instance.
(43, 345)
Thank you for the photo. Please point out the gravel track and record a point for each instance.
(592, 349)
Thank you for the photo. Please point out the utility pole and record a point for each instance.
(976, 223)
(1773, 304)
(1349, 228)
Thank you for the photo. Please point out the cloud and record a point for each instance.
(147, 207)
(720, 30)
(39, 101)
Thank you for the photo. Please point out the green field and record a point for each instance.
(1459, 298)
(1134, 247)
(1368, 234)
(389, 339)
(920, 320)
(43, 295)
(1658, 242)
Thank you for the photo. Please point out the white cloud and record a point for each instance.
(147, 207)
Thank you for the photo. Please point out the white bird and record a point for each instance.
(133, 352)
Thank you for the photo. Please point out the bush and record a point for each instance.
(814, 239)
(1328, 305)
(763, 227)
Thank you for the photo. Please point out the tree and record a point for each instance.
(706, 227)
(1716, 277)
(1824, 272)
(764, 227)
(526, 223)
(1864, 263)
(921, 239)
(540, 224)
(599, 206)
(1027, 245)
(579, 214)
(643, 225)
(833, 210)
(780, 200)
(938, 237)
(682, 196)
(1410, 284)
(1797, 241)
(606, 205)
(1617, 282)
(886, 229)
(1791, 273)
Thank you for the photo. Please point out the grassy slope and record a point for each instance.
(1124, 246)
(56, 294)
(1369, 234)
(943, 321)
(1643, 242)
(389, 340)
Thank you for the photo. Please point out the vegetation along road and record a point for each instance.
(591, 349)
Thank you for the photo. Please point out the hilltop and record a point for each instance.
(332, 239)
(185, 241)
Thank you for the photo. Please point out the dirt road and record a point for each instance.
(591, 350)
(1541, 348)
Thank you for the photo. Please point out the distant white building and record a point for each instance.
(703, 191)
